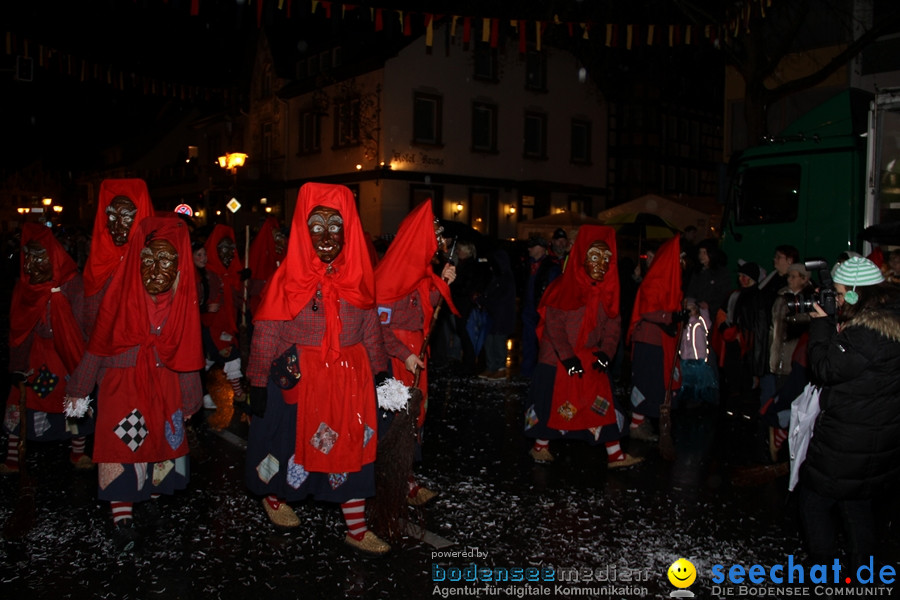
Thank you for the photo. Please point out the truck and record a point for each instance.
(828, 183)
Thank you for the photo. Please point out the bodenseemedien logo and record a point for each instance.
(682, 574)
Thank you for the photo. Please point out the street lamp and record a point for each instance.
(232, 160)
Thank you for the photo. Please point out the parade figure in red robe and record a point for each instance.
(144, 357)
(317, 343)
(571, 396)
(408, 290)
(47, 341)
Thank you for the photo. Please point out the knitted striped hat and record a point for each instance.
(858, 271)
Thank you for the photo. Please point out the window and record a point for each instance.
(536, 71)
(427, 119)
(310, 133)
(484, 127)
(581, 142)
(768, 194)
(346, 122)
(485, 62)
(535, 135)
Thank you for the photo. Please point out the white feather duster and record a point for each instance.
(393, 395)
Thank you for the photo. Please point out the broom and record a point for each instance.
(22, 518)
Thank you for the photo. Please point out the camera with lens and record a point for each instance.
(825, 296)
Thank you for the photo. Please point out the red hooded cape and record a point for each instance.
(293, 286)
(29, 302)
(230, 276)
(124, 318)
(406, 265)
(263, 259)
(570, 291)
(105, 256)
(661, 291)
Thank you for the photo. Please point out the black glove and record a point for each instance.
(573, 366)
(602, 363)
(17, 377)
(255, 405)
(670, 329)
(682, 315)
(381, 377)
(245, 274)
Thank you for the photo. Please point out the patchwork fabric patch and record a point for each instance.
(44, 382)
(296, 474)
(132, 430)
(107, 473)
(41, 423)
(140, 474)
(531, 418)
(636, 396)
(567, 411)
(367, 435)
(600, 405)
(324, 438)
(175, 430)
(11, 417)
(336, 479)
(267, 468)
(160, 470)
(384, 315)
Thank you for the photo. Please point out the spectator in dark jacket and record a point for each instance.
(499, 298)
(542, 269)
(854, 454)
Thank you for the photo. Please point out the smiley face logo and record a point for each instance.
(682, 573)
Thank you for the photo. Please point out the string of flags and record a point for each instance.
(467, 28)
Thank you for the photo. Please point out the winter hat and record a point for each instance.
(857, 271)
(750, 269)
(560, 233)
(537, 241)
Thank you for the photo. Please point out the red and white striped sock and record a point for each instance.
(273, 501)
(77, 447)
(12, 451)
(121, 511)
(355, 517)
(540, 445)
(413, 487)
(614, 452)
(780, 436)
(236, 387)
(637, 420)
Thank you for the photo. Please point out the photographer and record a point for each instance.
(854, 454)
(787, 373)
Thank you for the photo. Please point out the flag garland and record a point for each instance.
(627, 36)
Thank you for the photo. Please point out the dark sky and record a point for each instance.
(135, 41)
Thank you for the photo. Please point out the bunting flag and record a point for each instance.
(737, 23)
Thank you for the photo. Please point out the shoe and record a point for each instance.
(423, 496)
(542, 456)
(281, 516)
(494, 375)
(627, 461)
(370, 544)
(208, 402)
(84, 462)
(125, 537)
(643, 432)
(5, 470)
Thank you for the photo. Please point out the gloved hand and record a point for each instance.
(682, 316)
(670, 329)
(381, 377)
(602, 363)
(245, 274)
(255, 404)
(573, 366)
(17, 377)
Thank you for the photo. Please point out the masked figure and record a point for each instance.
(266, 254)
(224, 265)
(408, 290)
(144, 357)
(123, 204)
(316, 344)
(47, 342)
(571, 396)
